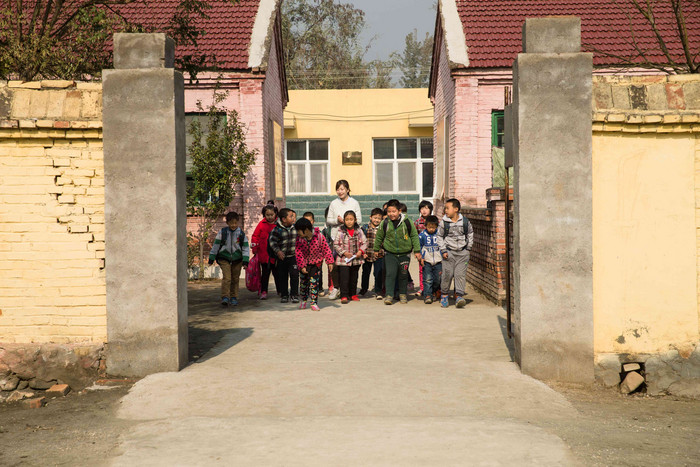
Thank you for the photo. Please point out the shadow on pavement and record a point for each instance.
(510, 344)
(221, 340)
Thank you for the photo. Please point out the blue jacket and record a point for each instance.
(429, 248)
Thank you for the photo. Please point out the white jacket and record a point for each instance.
(339, 208)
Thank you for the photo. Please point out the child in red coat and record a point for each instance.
(311, 250)
(258, 244)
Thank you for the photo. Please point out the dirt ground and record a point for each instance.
(81, 429)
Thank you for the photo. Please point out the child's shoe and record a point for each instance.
(355, 298)
(428, 300)
(379, 296)
(233, 301)
(295, 299)
(460, 302)
(363, 292)
(224, 301)
(388, 301)
(334, 294)
(302, 305)
(344, 300)
(263, 296)
(322, 293)
(445, 301)
(403, 299)
(284, 300)
(315, 307)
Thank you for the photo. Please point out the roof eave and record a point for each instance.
(262, 34)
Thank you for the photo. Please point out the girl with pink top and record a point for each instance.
(311, 250)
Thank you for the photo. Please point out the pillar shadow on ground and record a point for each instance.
(503, 324)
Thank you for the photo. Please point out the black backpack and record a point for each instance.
(465, 227)
(385, 223)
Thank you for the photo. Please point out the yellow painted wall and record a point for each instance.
(350, 118)
(645, 240)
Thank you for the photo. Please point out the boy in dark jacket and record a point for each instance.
(398, 237)
(232, 252)
(282, 244)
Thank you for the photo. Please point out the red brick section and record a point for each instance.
(35, 403)
(487, 263)
(493, 29)
(58, 390)
(226, 33)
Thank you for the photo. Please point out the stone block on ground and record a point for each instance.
(607, 370)
(632, 381)
(631, 367)
(23, 385)
(686, 387)
(9, 383)
(36, 383)
(35, 403)
(19, 395)
(58, 390)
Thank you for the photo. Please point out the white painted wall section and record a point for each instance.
(455, 40)
(259, 43)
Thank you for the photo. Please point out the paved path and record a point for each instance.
(357, 384)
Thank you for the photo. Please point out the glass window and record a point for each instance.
(497, 128)
(307, 166)
(398, 167)
(203, 120)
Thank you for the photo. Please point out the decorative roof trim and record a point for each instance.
(455, 40)
(261, 36)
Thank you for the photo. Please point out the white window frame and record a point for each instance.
(395, 166)
(307, 167)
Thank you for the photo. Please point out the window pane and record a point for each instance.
(406, 148)
(318, 151)
(384, 177)
(384, 149)
(296, 176)
(427, 179)
(296, 150)
(407, 176)
(426, 149)
(203, 120)
(318, 178)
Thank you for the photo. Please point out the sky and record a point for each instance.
(392, 20)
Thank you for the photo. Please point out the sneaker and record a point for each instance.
(388, 301)
(418, 294)
(284, 300)
(461, 302)
(295, 299)
(224, 301)
(233, 301)
(428, 300)
(315, 307)
(344, 300)
(322, 293)
(263, 296)
(379, 296)
(363, 292)
(334, 294)
(403, 299)
(445, 301)
(355, 298)
(302, 305)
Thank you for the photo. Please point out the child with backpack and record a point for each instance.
(282, 246)
(350, 244)
(311, 250)
(259, 246)
(372, 258)
(455, 239)
(397, 236)
(230, 250)
(431, 259)
(425, 208)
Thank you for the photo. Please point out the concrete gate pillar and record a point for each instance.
(552, 155)
(145, 211)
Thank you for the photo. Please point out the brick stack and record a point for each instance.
(52, 236)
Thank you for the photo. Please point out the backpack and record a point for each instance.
(465, 227)
(385, 223)
(252, 275)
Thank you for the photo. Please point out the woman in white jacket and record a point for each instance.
(336, 212)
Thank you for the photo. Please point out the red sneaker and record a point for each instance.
(344, 300)
(355, 298)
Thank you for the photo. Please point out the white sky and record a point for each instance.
(392, 20)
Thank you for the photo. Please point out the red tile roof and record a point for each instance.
(493, 29)
(227, 32)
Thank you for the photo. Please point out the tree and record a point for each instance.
(220, 162)
(69, 40)
(650, 21)
(321, 45)
(415, 60)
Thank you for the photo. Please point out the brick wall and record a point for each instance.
(52, 282)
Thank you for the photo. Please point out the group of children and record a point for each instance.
(294, 250)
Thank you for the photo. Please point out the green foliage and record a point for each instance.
(322, 46)
(220, 162)
(415, 60)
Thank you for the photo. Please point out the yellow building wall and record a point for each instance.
(350, 119)
(646, 238)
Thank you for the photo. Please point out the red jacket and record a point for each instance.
(313, 251)
(258, 242)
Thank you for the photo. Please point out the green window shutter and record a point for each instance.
(497, 128)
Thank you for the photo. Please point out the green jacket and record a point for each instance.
(399, 241)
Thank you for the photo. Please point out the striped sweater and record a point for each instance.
(235, 249)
